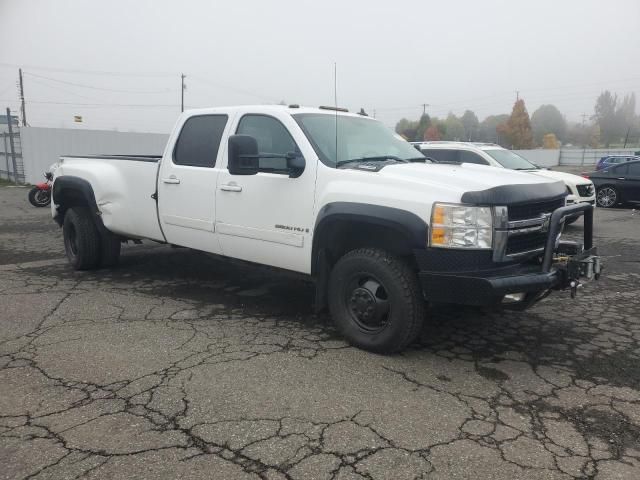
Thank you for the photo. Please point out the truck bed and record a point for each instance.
(123, 186)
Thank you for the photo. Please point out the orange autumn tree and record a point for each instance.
(432, 134)
(518, 128)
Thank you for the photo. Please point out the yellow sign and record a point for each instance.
(77, 118)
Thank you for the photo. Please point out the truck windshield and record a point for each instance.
(357, 139)
(511, 160)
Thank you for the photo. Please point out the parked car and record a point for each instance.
(610, 160)
(578, 189)
(617, 184)
(340, 199)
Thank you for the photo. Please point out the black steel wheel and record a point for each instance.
(375, 300)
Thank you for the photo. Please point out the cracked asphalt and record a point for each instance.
(179, 365)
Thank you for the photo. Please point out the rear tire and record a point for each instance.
(375, 300)
(607, 197)
(81, 239)
(109, 249)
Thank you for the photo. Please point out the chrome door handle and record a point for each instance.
(231, 188)
(621, 178)
(172, 180)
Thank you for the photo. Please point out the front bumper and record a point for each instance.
(562, 265)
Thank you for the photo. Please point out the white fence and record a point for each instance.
(571, 156)
(43, 146)
(544, 158)
(589, 156)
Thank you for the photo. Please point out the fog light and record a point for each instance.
(513, 297)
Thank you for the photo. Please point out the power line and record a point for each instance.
(166, 90)
(147, 105)
(89, 72)
(233, 89)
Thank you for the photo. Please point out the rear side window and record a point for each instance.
(441, 155)
(199, 140)
(470, 157)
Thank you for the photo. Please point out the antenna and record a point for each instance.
(335, 103)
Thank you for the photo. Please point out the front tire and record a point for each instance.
(81, 239)
(39, 198)
(375, 300)
(607, 197)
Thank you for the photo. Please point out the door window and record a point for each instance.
(199, 140)
(272, 137)
(441, 155)
(470, 157)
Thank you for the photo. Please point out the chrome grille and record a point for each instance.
(522, 230)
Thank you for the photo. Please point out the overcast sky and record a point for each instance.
(118, 63)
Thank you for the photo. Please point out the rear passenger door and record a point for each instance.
(187, 183)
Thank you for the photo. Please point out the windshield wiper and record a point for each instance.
(377, 158)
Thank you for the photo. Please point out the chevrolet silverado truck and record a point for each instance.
(340, 199)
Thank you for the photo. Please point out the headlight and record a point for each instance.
(461, 226)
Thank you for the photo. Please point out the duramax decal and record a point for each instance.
(293, 229)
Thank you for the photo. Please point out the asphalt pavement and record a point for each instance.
(177, 364)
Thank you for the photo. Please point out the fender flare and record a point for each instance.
(66, 183)
(413, 228)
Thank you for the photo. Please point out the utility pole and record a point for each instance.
(585, 136)
(22, 108)
(517, 95)
(626, 137)
(183, 87)
(424, 108)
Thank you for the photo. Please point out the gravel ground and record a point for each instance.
(180, 365)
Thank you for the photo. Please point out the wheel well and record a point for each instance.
(67, 198)
(343, 235)
(340, 236)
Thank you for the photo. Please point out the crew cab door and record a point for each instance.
(187, 183)
(268, 217)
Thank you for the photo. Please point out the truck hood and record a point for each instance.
(463, 177)
(567, 178)
(473, 184)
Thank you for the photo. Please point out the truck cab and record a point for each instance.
(340, 199)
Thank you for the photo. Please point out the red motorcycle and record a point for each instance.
(40, 195)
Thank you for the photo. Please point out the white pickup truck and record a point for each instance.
(339, 198)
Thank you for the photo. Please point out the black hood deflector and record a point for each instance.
(515, 194)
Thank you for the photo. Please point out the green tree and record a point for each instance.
(423, 124)
(471, 125)
(548, 119)
(407, 128)
(454, 128)
(518, 127)
(605, 117)
(487, 131)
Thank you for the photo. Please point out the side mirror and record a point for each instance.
(295, 164)
(243, 155)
